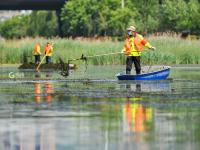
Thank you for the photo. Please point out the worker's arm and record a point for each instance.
(146, 43)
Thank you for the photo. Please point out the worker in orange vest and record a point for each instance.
(48, 51)
(132, 49)
(37, 52)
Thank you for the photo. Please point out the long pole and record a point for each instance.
(66, 72)
(150, 64)
(40, 63)
(85, 57)
(102, 55)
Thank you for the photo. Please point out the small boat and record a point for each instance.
(155, 75)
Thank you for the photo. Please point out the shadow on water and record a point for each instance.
(99, 113)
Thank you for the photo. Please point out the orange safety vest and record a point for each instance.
(134, 45)
(48, 50)
(139, 42)
(37, 49)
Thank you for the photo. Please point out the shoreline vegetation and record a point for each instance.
(171, 50)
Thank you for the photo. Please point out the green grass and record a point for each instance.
(170, 50)
(176, 51)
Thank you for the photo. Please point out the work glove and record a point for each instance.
(153, 48)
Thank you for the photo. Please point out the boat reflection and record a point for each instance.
(148, 86)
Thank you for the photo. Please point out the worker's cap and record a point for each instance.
(131, 28)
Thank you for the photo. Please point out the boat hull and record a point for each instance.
(157, 75)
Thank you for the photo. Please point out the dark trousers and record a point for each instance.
(129, 61)
(37, 59)
(48, 59)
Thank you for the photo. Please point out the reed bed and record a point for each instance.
(170, 50)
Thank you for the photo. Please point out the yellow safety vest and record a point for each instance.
(134, 45)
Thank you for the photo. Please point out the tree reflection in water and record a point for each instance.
(27, 136)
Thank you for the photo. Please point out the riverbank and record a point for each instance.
(170, 50)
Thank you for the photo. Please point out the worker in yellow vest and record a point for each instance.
(37, 52)
(132, 49)
(48, 51)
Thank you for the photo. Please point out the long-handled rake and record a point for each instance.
(65, 70)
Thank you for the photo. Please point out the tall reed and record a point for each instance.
(170, 50)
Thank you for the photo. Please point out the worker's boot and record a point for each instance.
(138, 72)
(128, 72)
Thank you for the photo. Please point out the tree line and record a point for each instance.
(107, 18)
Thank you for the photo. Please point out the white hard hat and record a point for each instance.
(131, 28)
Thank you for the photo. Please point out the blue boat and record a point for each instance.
(156, 75)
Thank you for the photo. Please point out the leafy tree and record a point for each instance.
(107, 18)
(194, 15)
(77, 19)
(15, 27)
(119, 20)
(92, 17)
(147, 19)
(42, 23)
(176, 15)
(38, 23)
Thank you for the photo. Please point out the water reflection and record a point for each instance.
(167, 120)
(37, 88)
(49, 74)
(130, 86)
(47, 92)
(37, 74)
(25, 135)
(148, 86)
(128, 123)
(136, 115)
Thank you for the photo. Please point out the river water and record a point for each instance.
(91, 110)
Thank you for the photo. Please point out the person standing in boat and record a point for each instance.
(133, 46)
(37, 53)
(48, 51)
